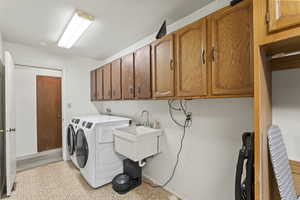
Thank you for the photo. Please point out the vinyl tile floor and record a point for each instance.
(62, 181)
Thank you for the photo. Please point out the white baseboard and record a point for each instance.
(38, 159)
(165, 188)
(52, 151)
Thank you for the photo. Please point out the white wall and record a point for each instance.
(75, 86)
(286, 108)
(208, 161)
(207, 164)
(26, 139)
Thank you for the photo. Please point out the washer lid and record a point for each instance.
(82, 149)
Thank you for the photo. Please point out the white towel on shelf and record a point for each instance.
(281, 165)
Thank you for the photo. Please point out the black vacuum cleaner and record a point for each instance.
(130, 179)
(244, 187)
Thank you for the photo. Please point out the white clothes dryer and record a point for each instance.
(96, 158)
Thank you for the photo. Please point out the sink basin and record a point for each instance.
(135, 133)
(137, 142)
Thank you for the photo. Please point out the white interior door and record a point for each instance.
(10, 122)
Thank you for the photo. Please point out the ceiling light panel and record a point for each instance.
(75, 29)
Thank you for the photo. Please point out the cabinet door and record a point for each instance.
(283, 14)
(107, 82)
(163, 66)
(142, 71)
(232, 70)
(93, 86)
(191, 60)
(128, 77)
(99, 83)
(116, 79)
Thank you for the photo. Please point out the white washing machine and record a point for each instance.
(71, 138)
(97, 160)
(75, 124)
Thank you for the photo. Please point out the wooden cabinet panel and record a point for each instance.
(107, 82)
(191, 60)
(128, 77)
(283, 14)
(99, 83)
(142, 71)
(93, 86)
(232, 70)
(116, 79)
(163, 66)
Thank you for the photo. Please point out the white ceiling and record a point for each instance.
(119, 23)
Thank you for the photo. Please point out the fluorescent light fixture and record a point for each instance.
(76, 27)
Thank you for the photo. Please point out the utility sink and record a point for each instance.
(137, 142)
(135, 133)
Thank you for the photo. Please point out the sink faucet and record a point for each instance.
(145, 122)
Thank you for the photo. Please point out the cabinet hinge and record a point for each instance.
(267, 17)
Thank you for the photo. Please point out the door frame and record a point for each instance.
(63, 98)
(2, 118)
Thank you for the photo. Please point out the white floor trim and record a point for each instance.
(38, 159)
(59, 150)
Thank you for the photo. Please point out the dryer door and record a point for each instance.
(82, 149)
(71, 140)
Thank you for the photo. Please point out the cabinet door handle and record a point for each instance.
(213, 54)
(131, 90)
(203, 56)
(172, 64)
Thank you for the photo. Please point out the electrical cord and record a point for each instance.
(187, 123)
(183, 108)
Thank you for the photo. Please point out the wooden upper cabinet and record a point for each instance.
(93, 88)
(283, 14)
(191, 60)
(163, 67)
(99, 83)
(128, 77)
(116, 79)
(107, 82)
(231, 57)
(142, 71)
